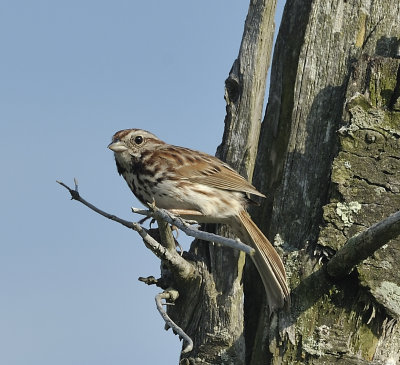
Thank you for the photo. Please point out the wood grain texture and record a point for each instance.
(327, 54)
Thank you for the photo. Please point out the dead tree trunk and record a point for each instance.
(328, 161)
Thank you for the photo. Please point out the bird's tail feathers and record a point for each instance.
(268, 263)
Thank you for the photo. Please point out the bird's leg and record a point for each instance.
(146, 219)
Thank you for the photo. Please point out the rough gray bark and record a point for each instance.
(328, 161)
(363, 245)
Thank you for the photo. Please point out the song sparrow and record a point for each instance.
(198, 186)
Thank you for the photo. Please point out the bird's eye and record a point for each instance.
(138, 139)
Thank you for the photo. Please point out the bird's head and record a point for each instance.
(130, 143)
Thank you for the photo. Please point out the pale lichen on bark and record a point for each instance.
(325, 183)
(366, 174)
(365, 189)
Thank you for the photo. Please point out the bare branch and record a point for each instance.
(166, 235)
(184, 268)
(188, 228)
(363, 245)
(171, 296)
(150, 280)
(76, 196)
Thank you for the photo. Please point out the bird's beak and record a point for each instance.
(117, 146)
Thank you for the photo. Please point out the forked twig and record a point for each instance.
(183, 267)
(163, 214)
(171, 296)
(187, 227)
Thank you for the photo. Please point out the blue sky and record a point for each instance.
(71, 74)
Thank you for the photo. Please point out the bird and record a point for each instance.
(196, 185)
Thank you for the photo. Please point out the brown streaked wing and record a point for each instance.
(213, 172)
